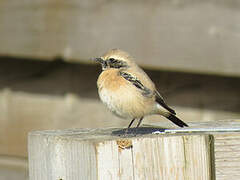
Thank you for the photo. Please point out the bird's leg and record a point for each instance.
(131, 123)
(139, 122)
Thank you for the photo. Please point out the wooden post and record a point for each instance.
(97, 154)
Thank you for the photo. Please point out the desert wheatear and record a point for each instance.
(128, 91)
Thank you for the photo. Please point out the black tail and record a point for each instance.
(160, 101)
(176, 120)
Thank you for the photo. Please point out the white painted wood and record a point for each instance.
(96, 154)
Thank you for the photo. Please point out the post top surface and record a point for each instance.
(118, 133)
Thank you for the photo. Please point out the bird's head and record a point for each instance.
(115, 58)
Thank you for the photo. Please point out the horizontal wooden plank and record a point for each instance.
(213, 127)
(12, 167)
(176, 35)
(14, 162)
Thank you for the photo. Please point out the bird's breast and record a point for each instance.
(110, 85)
(121, 97)
(110, 80)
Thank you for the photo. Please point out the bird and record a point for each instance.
(127, 90)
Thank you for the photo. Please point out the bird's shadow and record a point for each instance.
(138, 131)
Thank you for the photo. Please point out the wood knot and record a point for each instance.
(124, 144)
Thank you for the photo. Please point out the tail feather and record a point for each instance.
(159, 100)
(176, 120)
(163, 104)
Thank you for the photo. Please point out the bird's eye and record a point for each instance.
(112, 59)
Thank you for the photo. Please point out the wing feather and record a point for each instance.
(137, 83)
(146, 91)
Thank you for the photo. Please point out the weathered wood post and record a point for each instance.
(98, 154)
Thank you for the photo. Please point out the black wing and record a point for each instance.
(136, 82)
(159, 100)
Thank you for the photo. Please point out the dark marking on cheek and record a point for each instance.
(104, 65)
(114, 63)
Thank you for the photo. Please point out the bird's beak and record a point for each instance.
(102, 62)
(99, 60)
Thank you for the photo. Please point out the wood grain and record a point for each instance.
(96, 154)
(227, 156)
(174, 35)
